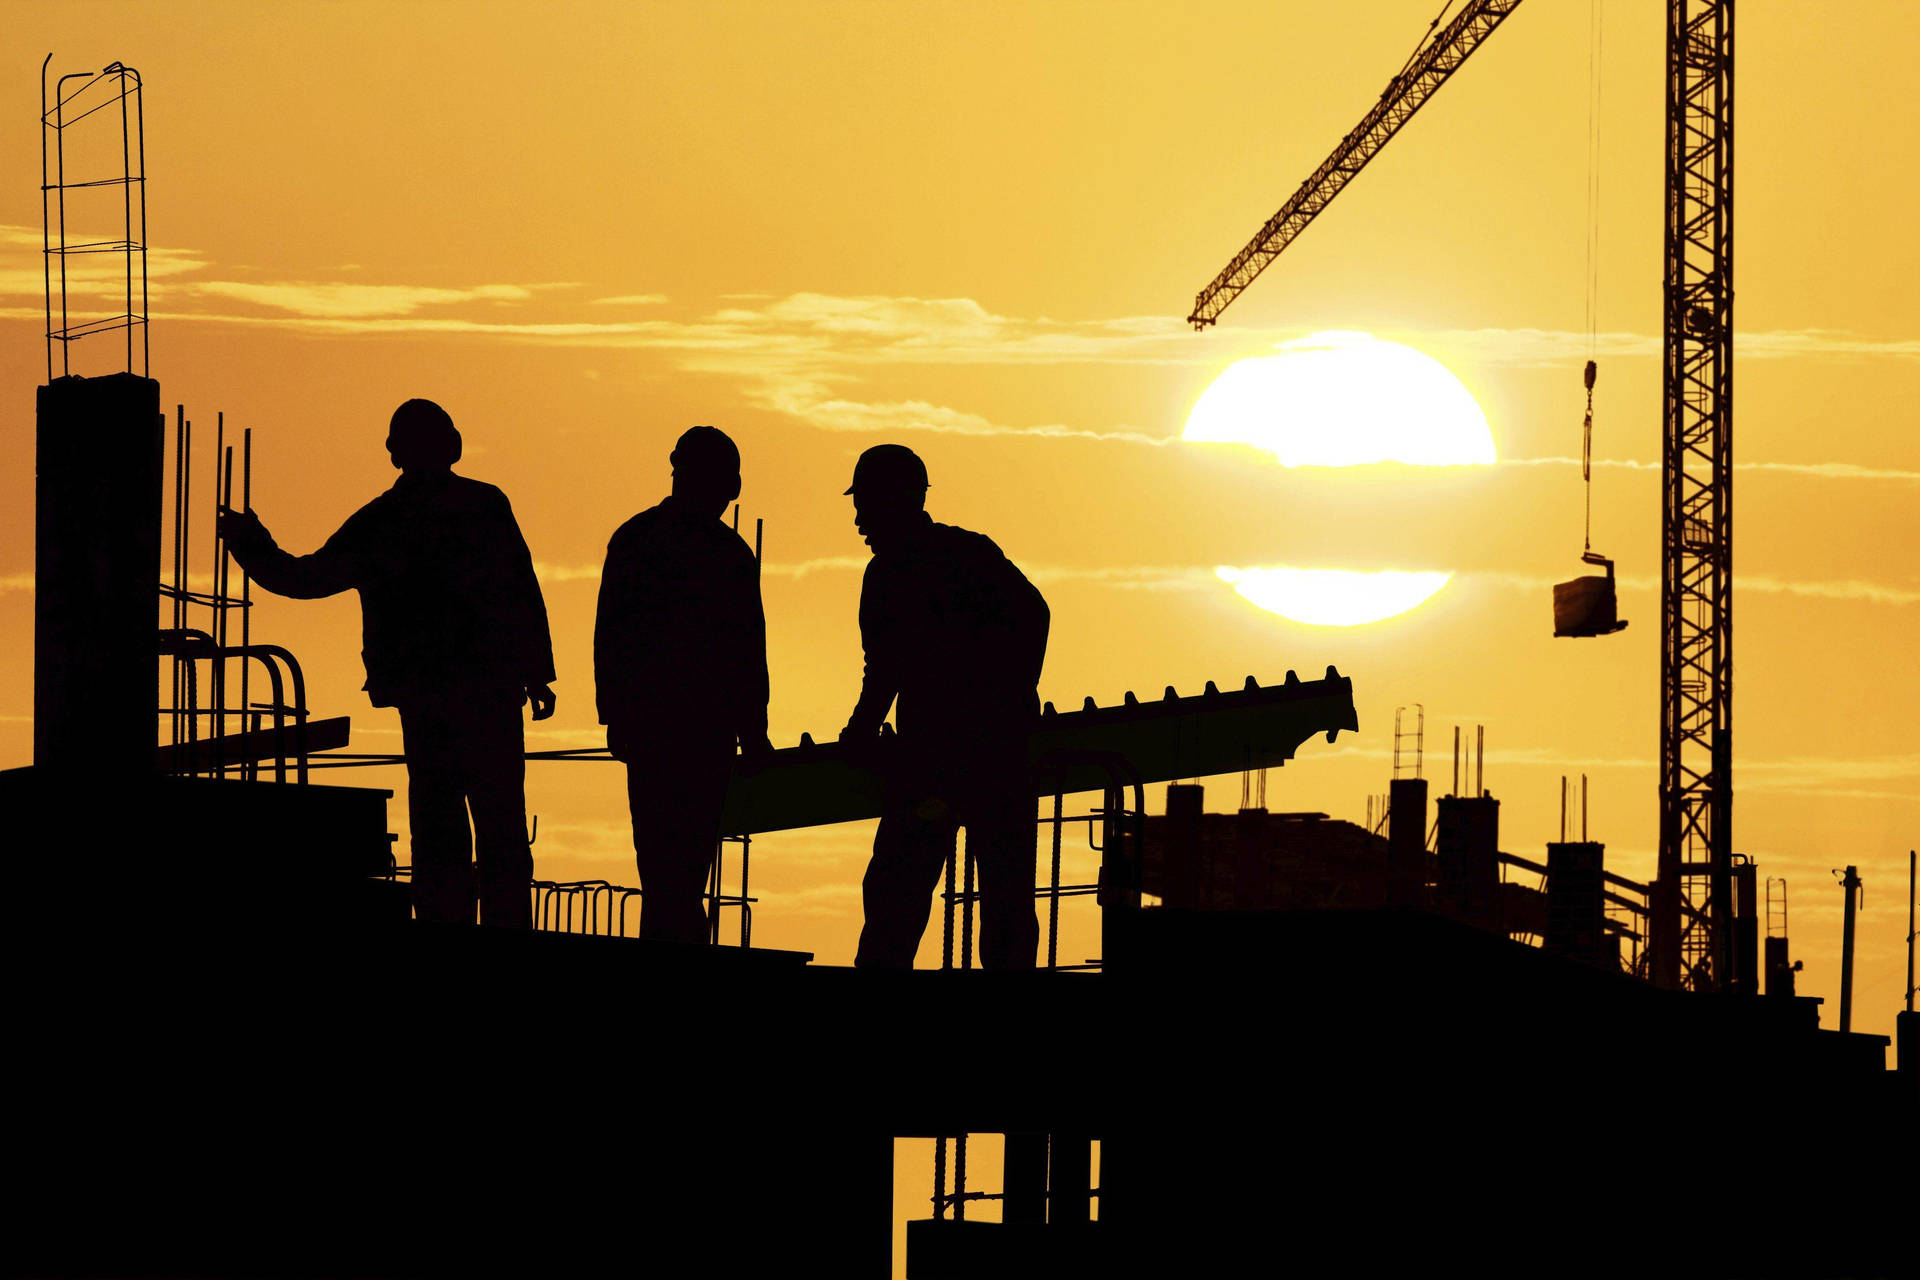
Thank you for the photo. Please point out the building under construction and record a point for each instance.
(1304, 1043)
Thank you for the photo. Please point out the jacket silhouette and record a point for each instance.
(448, 597)
(680, 637)
(955, 638)
(454, 636)
(680, 673)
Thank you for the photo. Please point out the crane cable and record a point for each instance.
(1595, 50)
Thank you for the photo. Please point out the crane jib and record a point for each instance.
(1404, 95)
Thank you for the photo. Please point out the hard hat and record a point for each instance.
(707, 448)
(421, 433)
(889, 466)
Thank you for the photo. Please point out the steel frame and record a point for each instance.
(1404, 95)
(62, 112)
(1696, 598)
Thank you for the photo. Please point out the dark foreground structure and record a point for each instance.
(251, 1068)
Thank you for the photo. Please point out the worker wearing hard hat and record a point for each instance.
(455, 638)
(957, 635)
(680, 667)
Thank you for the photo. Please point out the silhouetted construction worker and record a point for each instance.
(955, 632)
(680, 669)
(455, 638)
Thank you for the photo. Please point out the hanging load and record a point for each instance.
(1588, 606)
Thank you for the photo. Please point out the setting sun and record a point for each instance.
(1333, 597)
(1342, 399)
(1338, 399)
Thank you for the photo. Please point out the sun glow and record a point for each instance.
(1339, 399)
(1333, 597)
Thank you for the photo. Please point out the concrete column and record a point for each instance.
(96, 571)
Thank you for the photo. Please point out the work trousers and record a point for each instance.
(676, 787)
(465, 757)
(910, 851)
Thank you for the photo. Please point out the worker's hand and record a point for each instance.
(756, 752)
(860, 743)
(541, 698)
(242, 530)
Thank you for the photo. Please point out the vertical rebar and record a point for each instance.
(1479, 760)
(1910, 889)
(247, 721)
(960, 1177)
(216, 593)
(1563, 808)
(179, 575)
(746, 911)
(126, 210)
(1456, 761)
(140, 135)
(713, 893)
(1053, 885)
(46, 232)
(186, 571)
(940, 1177)
(946, 920)
(60, 177)
(1583, 808)
(966, 906)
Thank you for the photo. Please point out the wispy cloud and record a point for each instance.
(1743, 583)
(1122, 577)
(347, 301)
(1544, 347)
(1204, 577)
(795, 355)
(1824, 470)
(15, 582)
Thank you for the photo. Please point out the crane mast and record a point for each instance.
(1692, 927)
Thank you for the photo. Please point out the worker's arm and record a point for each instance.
(1035, 620)
(334, 568)
(527, 616)
(881, 680)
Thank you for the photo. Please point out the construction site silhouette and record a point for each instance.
(248, 1039)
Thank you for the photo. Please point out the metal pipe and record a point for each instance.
(746, 854)
(217, 686)
(1053, 885)
(1850, 884)
(966, 905)
(246, 590)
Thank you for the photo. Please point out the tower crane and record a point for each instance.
(1692, 928)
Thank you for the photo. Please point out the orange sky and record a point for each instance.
(975, 229)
